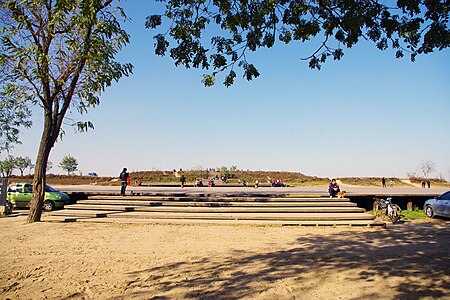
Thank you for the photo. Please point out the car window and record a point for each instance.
(14, 188)
(445, 196)
(27, 188)
(49, 189)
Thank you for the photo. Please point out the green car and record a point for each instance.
(20, 194)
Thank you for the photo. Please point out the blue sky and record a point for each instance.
(366, 115)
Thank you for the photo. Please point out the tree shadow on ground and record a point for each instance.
(416, 253)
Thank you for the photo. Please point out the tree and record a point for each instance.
(7, 166)
(13, 116)
(427, 167)
(69, 164)
(58, 55)
(22, 163)
(411, 26)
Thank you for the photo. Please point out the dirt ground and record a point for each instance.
(114, 261)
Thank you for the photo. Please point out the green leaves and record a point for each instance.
(57, 55)
(153, 21)
(69, 164)
(413, 27)
(14, 115)
(63, 54)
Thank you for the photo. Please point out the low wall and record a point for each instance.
(404, 201)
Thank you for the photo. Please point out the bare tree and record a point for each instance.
(427, 167)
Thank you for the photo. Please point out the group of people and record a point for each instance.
(124, 176)
(383, 182)
(333, 187)
(199, 183)
(277, 183)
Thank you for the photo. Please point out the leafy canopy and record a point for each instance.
(7, 166)
(69, 164)
(13, 116)
(408, 26)
(22, 163)
(59, 55)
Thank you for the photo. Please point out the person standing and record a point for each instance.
(256, 184)
(383, 182)
(182, 180)
(124, 177)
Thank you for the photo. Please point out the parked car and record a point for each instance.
(20, 194)
(93, 174)
(439, 206)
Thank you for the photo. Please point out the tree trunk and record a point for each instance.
(47, 142)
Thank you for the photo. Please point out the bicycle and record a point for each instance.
(387, 209)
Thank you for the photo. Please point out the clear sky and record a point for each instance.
(369, 114)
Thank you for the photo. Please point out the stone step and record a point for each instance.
(335, 223)
(84, 213)
(214, 203)
(215, 216)
(214, 209)
(220, 198)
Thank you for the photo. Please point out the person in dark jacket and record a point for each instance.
(333, 188)
(124, 178)
(182, 180)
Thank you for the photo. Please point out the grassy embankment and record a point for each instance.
(376, 181)
(169, 177)
(371, 181)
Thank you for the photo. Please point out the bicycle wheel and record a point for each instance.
(394, 218)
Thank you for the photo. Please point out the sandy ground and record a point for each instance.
(113, 261)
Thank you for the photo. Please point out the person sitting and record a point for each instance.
(333, 188)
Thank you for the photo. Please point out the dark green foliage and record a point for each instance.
(13, 116)
(69, 164)
(59, 56)
(412, 27)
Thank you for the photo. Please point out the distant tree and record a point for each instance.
(57, 55)
(412, 174)
(48, 166)
(69, 164)
(409, 27)
(22, 163)
(427, 167)
(7, 166)
(224, 170)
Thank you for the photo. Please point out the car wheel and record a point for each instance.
(48, 205)
(429, 212)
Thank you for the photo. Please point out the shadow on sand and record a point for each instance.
(415, 253)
